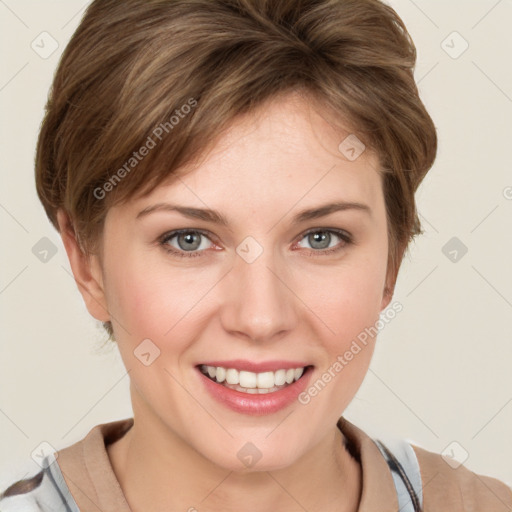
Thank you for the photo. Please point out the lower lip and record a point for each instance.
(256, 405)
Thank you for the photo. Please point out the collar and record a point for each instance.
(87, 470)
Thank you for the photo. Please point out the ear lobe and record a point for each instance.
(386, 297)
(86, 269)
(389, 289)
(393, 268)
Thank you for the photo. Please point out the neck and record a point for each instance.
(157, 470)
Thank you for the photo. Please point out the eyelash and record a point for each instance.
(344, 235)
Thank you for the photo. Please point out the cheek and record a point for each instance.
(347, 301)
(154, 300)
(349, 305)
(133, 301)
(346, 298)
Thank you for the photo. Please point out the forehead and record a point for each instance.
(283, 152)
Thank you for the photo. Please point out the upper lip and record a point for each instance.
(250, 366)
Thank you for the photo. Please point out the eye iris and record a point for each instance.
(321, 237)
(193, 241)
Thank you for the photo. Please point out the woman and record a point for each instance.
(234, 185)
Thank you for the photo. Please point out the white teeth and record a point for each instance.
(264, 382)
(232, 376)
(221, 374)
(280, 377)
(248, 379)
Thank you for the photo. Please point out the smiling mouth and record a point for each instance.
(251, 382)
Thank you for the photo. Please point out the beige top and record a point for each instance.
(88, 473)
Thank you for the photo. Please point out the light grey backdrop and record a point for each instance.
(441, 375)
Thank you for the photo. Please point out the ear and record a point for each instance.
(392, 275)
(86, 270)
(387, 293)
(389, 286)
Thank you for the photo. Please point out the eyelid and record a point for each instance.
(337, 231)
(174, 232)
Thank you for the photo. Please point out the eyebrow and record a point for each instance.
(217, 218)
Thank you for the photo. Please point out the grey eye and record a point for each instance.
(319, 239)
(189, 241)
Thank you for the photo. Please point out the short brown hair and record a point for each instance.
(131, 65)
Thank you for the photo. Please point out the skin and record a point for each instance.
(293, 302)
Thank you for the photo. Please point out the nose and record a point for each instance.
(257, 300)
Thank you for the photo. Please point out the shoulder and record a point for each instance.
(47, 490)
(454, 489)
(44, 491)
(21, 494)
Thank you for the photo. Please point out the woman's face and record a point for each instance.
(264, 273)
